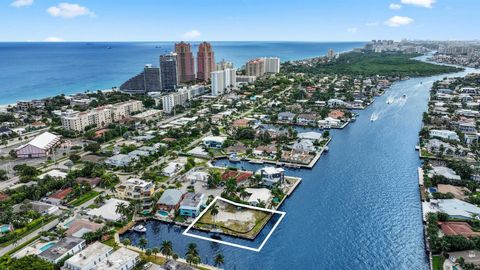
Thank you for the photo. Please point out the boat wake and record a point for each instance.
(374, 117)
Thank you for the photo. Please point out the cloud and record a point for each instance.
(395, 6)
(352, 30)
(397, 21)
(192, 34)
(68, 11)
(372, 23)
(21, 3)
(54, 39)
(420, 3)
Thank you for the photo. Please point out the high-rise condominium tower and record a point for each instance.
(205, 61)
(185, 62)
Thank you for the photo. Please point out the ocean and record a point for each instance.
(36, 70)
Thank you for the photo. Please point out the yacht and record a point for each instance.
(234, 158)
(140, 228)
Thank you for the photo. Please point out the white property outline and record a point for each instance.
(282, 214)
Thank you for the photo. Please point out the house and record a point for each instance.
(258, 195)
(65, 247)
(120, 160)
(108, 211)
(214, 141)
(92, 182)
(123, 259)
(238, 176)
(336, 103)
(172, 169)
(444, 134)
(445, 172)
(41, 146)
(136, 189)
(170, 200)
(192, 204)
(58, 197)
(241, 123)
(336, 114)
(88, 258)
(458, 228)
(306, 119)
(328, 123)
(79, 227)
(286, 117)
(469, 256)
(5, 131)
(272, 176)
(39, 207)
(310, 135)
(54, 174)
(304, 146)
(458, 209)
(263, 150)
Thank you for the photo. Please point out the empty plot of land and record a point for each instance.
(234, 219)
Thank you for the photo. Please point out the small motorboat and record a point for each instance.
(139, 228)
(404, 96)
(417, 147)
(234, 158)
(326, 149)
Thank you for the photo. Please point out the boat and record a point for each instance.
(417, 147)
(325, 149)
(234, 158)
(109, 47)
(253, 161)
(216, 237)
(139, 228)
(404, 96)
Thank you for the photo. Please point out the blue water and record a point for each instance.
(358, 208)
(47, 246)
(37, 70)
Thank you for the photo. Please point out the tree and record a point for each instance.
(3, 175)
(166, 249)
(126, 242)
(148, 252)
(214, 212)
(30, 262)
(142, 243)
(92, 147)
(219, 260)
(121, 209)
(155, 251)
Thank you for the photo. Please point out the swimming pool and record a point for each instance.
(47, 246)
(163, 213)
(4, 228)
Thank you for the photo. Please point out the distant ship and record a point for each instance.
(404, 96)
(109, 47)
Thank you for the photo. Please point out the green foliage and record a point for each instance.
(370, 64)
(30, 262)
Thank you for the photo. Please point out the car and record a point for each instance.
(147, 265)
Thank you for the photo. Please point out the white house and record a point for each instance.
(456, 208)
(444, 134)
(214, 141)
(123, 259)
(63, 248)
(88, 258)
(272, 176)
(304, 145)
(329, 122)
(172, 169)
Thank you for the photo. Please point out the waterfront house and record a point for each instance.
(286, 117)
(192, 204)
(88, 258)
(458, 209)
(214, 141)
(452, 228)
(43, 145)
(468, 256)
(336, 114)
(272, 176)
(238, 176)
(445, 172)
(304, 146)
(306, 119)
(65, 247)
(123, 258)
(258, 195)
(333, 103)
(444, 134)
(136, 189)
(170, 200)
(310, 135)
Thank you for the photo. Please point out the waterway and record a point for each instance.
(358, 208)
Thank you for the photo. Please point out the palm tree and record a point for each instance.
(155, 251)
(166, 248)
(142, 243)
(214, 212)
(126, 242)
(219, 260)
(121, 208)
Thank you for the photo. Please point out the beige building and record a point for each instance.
(260, 66)
(136, 189)
(101, 116)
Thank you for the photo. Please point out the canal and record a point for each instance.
(358, 208)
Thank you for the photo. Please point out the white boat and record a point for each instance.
(326, 149)
(140, 228)
(234, 158)
(417, 147)
(404, 96)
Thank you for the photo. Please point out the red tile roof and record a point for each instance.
(458, 228)
(61, 194)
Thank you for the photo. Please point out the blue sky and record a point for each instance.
(214, 20)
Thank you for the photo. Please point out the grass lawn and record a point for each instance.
(437, 262)
(111, 242)
(154, 259)
(84, 198)
(243, 222)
